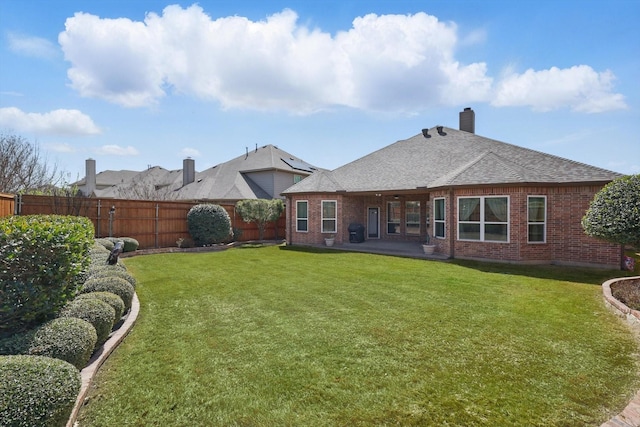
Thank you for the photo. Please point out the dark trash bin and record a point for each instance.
(356, 233)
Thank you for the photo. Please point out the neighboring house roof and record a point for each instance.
(449, 158)
(232, 180)
(110, 177)
(155, 177)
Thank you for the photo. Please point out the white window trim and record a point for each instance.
(544, 223)
(322, 218)
(444, 221)
(482, 222)
(300, 218)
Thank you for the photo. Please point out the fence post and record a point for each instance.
(98, 220)
(156, 225)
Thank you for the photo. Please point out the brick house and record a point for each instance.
(475, 197)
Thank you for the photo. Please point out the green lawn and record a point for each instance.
(273, 336)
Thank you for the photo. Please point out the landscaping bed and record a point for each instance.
(627, 292)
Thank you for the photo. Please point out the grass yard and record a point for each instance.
(274, 336)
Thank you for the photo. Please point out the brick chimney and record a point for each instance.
(188, 171)
(468, 120)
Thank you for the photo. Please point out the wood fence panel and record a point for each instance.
(6, 204)
(154, 224)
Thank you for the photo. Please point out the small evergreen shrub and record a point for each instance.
(106, 244)
(209, 224)
(115, 285)
(100, 314)
(113, 272)
(65, 338)
(108, 297)
(130, 244)
(41, 261)
(37, 391)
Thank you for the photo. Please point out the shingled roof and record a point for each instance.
(449, 157)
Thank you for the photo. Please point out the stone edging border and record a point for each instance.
(87, 374)
(630, 416)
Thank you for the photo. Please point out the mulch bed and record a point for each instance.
(627, 292)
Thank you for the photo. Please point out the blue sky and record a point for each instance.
(141, 83)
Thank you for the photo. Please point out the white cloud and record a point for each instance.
(189, 152)
(116, 150)
(580, 88)
(61, 148)
(32, 46)
(395, 63)
(57, 122)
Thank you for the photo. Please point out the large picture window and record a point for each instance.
(537, 219)
(438, 218)
(412, 217)
(302, 215)
(393, 218)
(329, 216)
(485, 219)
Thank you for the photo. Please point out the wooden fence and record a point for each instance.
(6, 204)
(154, 224)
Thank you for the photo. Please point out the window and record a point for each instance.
(297, 178)
(483, 218)
(438, 218)
(302, 215)
(412, 218)
(393, 218)
(329, 216)
(537, 219)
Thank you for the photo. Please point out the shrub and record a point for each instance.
(37, 391)
(208, 224)
(614, 213)
(41, 261)
(106, 244)
(113, 272)
(100, 314)
(108, 297)
(130, 244)
(260, 211)
(66, 338)
(115, 285)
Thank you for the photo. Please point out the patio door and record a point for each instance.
(373, 223)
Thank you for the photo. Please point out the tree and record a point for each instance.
(22, 168)
(260, 211)
(614, 213)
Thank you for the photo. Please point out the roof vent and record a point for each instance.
(440, 131)
(425, 133)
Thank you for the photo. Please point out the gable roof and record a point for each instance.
(450, 158)
(231, 180)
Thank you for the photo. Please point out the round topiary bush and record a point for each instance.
(66, 338)
(208, 224)
(37, 391)
(106, 244)
(100, 314)
(115, 285)
(113, 272)
(108, 297)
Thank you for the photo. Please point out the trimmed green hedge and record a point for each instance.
(115, 285)
(110, 298)
(37, 391)
(70, 339)
(100, 314)
(42, 258)
(130, 244)
(110, 271)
